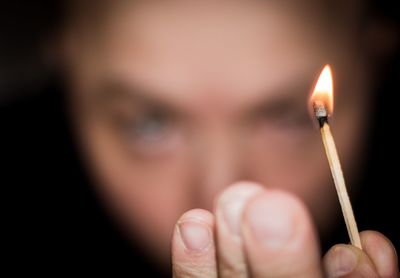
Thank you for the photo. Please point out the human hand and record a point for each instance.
(256, 232)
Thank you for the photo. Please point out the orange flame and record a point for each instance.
(323, 91)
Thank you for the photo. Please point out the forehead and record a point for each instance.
(193, 46)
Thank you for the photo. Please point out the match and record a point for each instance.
(322, 102)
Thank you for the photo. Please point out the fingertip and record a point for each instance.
(229, 205)
(382, 253)
(228, 208)
(274, 217)
(202, 215)
(279, 236)
(345, 260)
(193, 232)
(237, 189)
(339, 261)
(193, 248)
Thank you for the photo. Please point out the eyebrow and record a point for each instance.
(136, 95)
(281, 102)
(284, 100)
(277, 109)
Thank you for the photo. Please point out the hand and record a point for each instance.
(256, 232)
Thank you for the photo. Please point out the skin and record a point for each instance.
(175, 102)
(267, 246)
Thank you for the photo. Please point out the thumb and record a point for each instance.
(279, 237)
(377, 259)
(348, 261)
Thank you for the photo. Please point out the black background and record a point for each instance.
(53, 223)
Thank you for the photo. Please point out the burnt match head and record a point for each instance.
(320, 112)
(321, 99)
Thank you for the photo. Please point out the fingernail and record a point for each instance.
(343, 262)
(271, 223)
(195, 236)
(233, 201)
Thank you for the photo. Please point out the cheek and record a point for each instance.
(296, 163)
(147, 196)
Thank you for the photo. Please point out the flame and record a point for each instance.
(323, 91)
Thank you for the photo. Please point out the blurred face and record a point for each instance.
(174, 102)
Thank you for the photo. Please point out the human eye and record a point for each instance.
(150, 131)
(151, 127)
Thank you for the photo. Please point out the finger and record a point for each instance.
(382, 253)
(228, 213)
(279, 237)
(348, 261)
(193, 250)
(377, 259)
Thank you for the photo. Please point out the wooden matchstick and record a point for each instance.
(322, 102)
(340, 185)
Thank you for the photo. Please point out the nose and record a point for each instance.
(217, 166)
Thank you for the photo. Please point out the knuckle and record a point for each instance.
(191, 269)
(233, 270)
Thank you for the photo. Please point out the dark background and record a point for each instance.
(53, 222)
